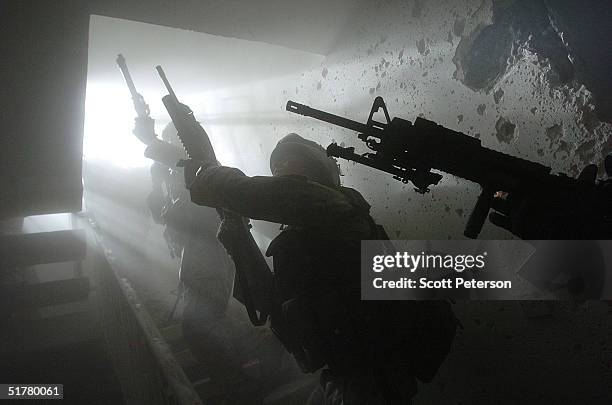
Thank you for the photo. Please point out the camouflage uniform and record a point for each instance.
(372, 351)
(206, 272)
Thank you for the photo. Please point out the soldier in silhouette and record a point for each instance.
(370, 352)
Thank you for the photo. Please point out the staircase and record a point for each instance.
(50, 332)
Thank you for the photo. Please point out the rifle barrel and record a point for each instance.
(126, 75)
(307, 111)
(161, 73)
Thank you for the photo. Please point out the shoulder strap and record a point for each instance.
(377, 231)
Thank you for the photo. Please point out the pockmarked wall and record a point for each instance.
(503, 72)
(440, 60)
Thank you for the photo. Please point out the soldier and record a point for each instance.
(372, 351)
(206, 272)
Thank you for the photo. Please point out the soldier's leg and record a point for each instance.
(215, 334)
(204, 275)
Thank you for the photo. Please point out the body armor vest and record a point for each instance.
(321, 319)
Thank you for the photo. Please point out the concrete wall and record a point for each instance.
(43, 74)
(409, 53)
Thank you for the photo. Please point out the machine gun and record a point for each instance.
(254, 282)
(141, 107)
(409, 151)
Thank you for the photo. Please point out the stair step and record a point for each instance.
(22, 336)
(19, 297)
(41, 248)
(83, 368)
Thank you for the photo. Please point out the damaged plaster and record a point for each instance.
(424, 59)
(515, 31)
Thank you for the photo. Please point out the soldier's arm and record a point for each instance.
(157, 149)
(164, 153)
(155, 199)
(290, 200)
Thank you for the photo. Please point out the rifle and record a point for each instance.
(254, 283)
(409, 151)
(141, 107)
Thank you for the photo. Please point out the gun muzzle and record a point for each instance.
(162, 74)
(320, 115)
(297, 108)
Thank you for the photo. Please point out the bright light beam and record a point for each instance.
(109, 120)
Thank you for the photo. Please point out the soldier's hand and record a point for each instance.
(547, 216)
(144, 129)
(190, 170)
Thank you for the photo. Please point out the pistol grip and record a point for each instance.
(479, 213)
